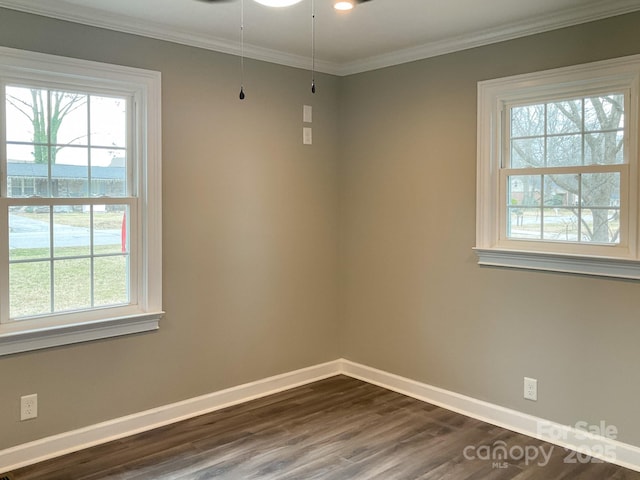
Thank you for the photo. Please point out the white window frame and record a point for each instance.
(494, 97)
(145, 310)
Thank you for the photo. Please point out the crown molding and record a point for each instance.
(575, 16)
(96, 18)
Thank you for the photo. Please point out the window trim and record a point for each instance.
(622, 261)
(145, 86)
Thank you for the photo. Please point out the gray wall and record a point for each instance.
(413, 300)
(279, 256)
(250, 246)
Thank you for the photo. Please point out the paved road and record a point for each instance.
(30, 233)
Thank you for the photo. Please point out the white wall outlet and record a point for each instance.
(530, 389)
(29, 406)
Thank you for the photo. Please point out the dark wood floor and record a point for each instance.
(339, 428)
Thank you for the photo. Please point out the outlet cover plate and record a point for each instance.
(530, 389)
(29, 406)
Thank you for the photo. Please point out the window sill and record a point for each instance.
(16, 338)
(575, 264)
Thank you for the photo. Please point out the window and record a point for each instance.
(80, 189)
(558, 170)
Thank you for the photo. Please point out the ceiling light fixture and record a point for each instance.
(338, 5)
(343, 5)
(278, 3)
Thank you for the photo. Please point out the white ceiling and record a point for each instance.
(375, 34)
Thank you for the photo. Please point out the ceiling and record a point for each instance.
(375, 34)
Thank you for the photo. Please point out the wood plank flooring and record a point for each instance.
(335, 429)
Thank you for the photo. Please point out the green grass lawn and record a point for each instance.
(44, 285)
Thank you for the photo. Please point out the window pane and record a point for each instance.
(72, 156)
(29, 289)
(72, 284)
(601, 190)
(20, 154)
(604, 113)
(601, 225)
(26, 111)
(111, 280)
(106, 157)
(69, 118)
(70, 173)
(561, 190)
(108, 172)
(526, 153)
(71, 231)
(561, 224)
(524, 190)
(108, 122)
(29, 233)
(524, 223)
(604, 148)
(110, 226)
(527, 121)
(25, 177)
(564, 151)
(564, 117)
(20, 187)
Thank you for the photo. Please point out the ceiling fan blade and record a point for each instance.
(362, 1)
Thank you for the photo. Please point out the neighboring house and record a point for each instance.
(26, 179)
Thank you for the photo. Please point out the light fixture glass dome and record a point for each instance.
(343, 5)
(278, 3)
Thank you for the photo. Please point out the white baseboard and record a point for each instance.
(579, 440)
(57, 445)
(624, 455)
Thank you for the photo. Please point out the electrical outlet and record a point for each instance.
(28, 407)
(530, 389)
